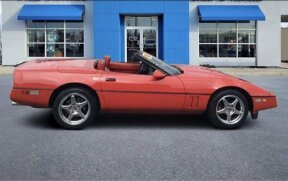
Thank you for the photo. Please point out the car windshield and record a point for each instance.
(171, 70)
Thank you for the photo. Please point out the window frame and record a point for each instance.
(64, 43)
(237, 40)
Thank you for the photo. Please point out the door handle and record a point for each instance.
(110, 79)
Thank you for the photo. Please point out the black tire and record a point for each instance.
(219, 113)
(85, 112)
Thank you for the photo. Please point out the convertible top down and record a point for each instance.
(77, 90)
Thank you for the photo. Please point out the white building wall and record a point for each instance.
(284, 7)
(268, 36)
(14, 34)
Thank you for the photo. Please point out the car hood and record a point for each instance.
(197, 71)
(201, 80)
(59, 65)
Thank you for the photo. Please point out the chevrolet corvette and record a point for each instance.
(77, 90)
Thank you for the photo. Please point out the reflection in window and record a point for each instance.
(75, 50)
(36, 36)
(229, 39)
(74, 36)
(59, 41)
(246, 51)
(36, 24)
(208, 50)
(246, 36)
(141, 21)
(55, 24)
(36, 50)
(227, 36)
(55, 50)
(227, 26)
(227, 50)
(74, 24)
(55, 36)
(251, 25)
(208, 36)
(208, 26)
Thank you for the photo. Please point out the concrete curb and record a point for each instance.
(6, 70)
(255, 71)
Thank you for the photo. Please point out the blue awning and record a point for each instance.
(230, 13)
(52, 12)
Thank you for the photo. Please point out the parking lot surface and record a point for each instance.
(144, 147)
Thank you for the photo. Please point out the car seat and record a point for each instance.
(107, 60)
(101, 65)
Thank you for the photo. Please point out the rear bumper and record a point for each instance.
(16, 104)
(28, 97)
(264, 102)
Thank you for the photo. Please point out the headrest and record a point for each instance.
(107, 59)
(101, 65)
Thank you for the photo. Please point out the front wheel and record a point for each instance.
(74, 108)
(228, 109)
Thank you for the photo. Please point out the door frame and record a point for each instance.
(141, 46)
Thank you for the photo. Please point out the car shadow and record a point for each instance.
(41, 119)
(151, 121)
(45, 120)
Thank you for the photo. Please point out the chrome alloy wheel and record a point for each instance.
(230, 109)
(74, 109)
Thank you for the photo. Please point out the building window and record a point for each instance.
(142, 21)
(55, 38)
(227, 39)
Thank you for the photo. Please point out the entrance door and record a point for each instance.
(150, 41)
(133, 40)
(141, 33)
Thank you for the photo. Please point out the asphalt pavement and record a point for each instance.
(144, 147)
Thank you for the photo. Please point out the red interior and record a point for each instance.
(105, 64)
(124, 67)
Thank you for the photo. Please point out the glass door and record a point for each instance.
(150, 41)
(141, 33)
(132, 43)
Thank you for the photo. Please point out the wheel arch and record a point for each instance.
(241, 90)
(73, 85)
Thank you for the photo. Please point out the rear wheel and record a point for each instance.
(74, 108)
(228, 109)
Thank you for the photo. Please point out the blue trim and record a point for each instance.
(52, 12)
(230, 13)
(173, 27)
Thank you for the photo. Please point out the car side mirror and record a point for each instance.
(158, 75)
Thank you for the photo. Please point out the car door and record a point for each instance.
(135, 92)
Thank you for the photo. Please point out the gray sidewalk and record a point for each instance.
(273, 71)
(239, 71)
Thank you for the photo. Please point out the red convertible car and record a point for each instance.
(77, 90)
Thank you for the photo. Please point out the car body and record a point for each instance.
(152, 86)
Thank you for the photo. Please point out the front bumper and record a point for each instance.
(264, 102)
